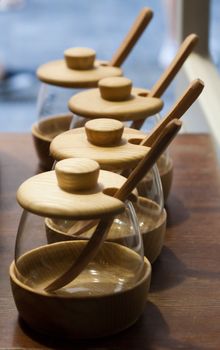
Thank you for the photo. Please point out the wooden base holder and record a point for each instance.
(43, 133)
(153, 232)
(153, 240)
(84, 308)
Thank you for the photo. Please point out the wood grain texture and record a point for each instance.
(169, 74)
(74, 143)
(74, 312)
(183, 52)
(80, 58)
(99, 236)
(115, 88)
(43, 132)
(185, 282)
(152, 224)
(132, 37)
(77, 174)
(90, 105)
(182, 104)
(113, 262)
(104, 131)
(57, 73)
(42, 195)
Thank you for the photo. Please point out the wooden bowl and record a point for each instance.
(43, 133)
(84, 308)
(153, 231)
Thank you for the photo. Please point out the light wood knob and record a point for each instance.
(77, 174)
(115, 88)
(80, 58)
(104, 131)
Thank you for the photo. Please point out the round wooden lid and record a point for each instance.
(75, 190)
(115, 98)
(92, 141)
(79, 69)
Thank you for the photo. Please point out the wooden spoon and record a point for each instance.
(104, 225)
(132, 37)
(169, 74)
(177, 111)
(179, 108)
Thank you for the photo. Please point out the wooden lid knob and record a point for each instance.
(77, 174)
(80, 58)
(104, 131)
(115, 88)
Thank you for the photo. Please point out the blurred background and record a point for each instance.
(37, 31)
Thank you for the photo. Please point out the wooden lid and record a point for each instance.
(115, 98)
(79, 69)
(75, 190)
(101, 140)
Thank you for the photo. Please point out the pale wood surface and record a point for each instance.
(73, 143)
(115, 88)
(80, 58)
(132, 37)
(185, 284)
(90, 105)
(111, 263)
(47, 128)
(64, 314)
(169, 74)
(78, 174)
(100, 234)
(189, 96)
(156, 150)
(42, 195)
(184, 51)
(104, 132)
(57, 73)
(152, 224)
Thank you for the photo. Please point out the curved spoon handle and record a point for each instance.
(98, 237)
(185, 49)
(179, 108)
(132, 37)
(170, 73)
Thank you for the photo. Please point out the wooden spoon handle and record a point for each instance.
(177, 111)
(132, 37)
(84, 258)
(158, 147)
(169, 74)
(180, 107)
(98, 237)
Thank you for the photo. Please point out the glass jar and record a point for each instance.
(109, 294)
(60, 80)
(116, 99)
(164, 163)
(117, 149)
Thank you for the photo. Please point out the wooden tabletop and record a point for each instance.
(183, 311)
